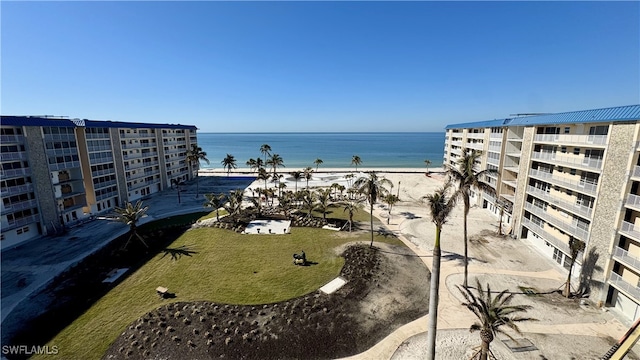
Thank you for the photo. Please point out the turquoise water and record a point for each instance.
(299, 150)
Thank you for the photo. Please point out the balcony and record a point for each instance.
(64, 165)
(568, 139)
(142, 184)
(11, 173)
(106, 195)
(636, 172)
(630, 230)
(96, 148)
(15, 190)
(21, 222)
(141, 174)
(633, 202)
(511, 183)
(22, 205)
(59, 137)
(590, 164)
(97, 173)
(569, 228)
(509, 197)
(625, 257)
(103, 136)
(456, 143)
(495, 148)
(621, 284)
(475, 135)
(17, 155)
(493, 161)
(579, 210)
(104, 184)
(139, 145)
(563, 246)
(12, 139)
(137, 135)
(581, 186)
(494, 136)
(475, 146)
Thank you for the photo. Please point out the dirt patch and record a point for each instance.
(386, 288)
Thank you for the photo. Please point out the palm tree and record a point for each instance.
(252, 164)
(281, 187)
(194, 156)
(355, 160)
(274, 161)
(468, 179)
(352, 207)
(130, 215)
(427, 163)
(234, 204)
(177, 182)
(576, 247)
(492, 313)
(372, 188)
(263, 175)
(308, 174)
(308, 201)
(229, 162)
(440, 206)
(318, 162)
(323, 202)
(259, 163)
(391, 200)
(215, 201)
(296, 176)
(265, 149)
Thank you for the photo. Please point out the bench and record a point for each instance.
(162, 291)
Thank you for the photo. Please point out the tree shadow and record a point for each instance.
(586, 275)
(309, 263)
(451, 256)
(386, 233)
(410, 215)
(178, 252)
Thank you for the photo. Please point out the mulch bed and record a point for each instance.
(314, 326)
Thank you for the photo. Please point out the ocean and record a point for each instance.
(300, 150)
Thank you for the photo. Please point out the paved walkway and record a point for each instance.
(452, 315)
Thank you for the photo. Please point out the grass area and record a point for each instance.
(337, 212)
(218, 265)
(212, 214)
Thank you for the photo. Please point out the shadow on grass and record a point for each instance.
(410, 215)
(178, 252)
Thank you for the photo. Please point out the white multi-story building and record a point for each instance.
(562, 176)
(56, 172)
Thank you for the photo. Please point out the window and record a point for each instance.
(566, 130)
(572, 172)
(599, 130)
(563, 149)
(576, 151)
(557, 255)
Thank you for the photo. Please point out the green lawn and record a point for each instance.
(226, 267)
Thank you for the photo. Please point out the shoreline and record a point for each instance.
(247, 171)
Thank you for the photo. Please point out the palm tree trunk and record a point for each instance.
(433, 298)
(371, 218)
(466, 248)
(484, 351)
(567, 285)
(197, 186)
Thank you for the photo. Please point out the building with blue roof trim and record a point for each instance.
(57, 171)
(561, 177)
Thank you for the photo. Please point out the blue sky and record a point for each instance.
(316, 66)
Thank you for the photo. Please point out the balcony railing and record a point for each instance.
(136, 135)
(511, 183)
(636, 171)
(106, 196)
(19, 189)
(633, 201)
(563, 246)
(495, 148)
(104, 184)
(580, 210)
(64, 165)
(97, 135)
(580, 186)
(570, 228)
(475, 135)
(567, 139)
(12, 139)
(21, 222)
(457, 143)
(96, 148)
(17, 155)
(475, 146)
(496, 135)
(624, 256)
(630, 230)
(553, 158)
(620, 283)
(22, 205)
(493, 161)
(97, 173)
(11, 173)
